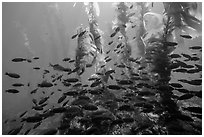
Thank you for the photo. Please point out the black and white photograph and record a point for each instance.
(102, 68)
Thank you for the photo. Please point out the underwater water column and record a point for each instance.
(121, 21)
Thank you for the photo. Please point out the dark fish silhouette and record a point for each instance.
(180, 70)
(72, 80)
(12, 75)
(28, 60)
(96, 83)
(35, 58)
(71, 93)
(192, 71)
(110, 43)
(43, 100)
(71, 61)
(66, 59)
(34, 91)
(193, 109)
(171, 44)
(108, 60)
(176, 85)
(18, 59)
(114, 87)
(15, 131)
(119, 45)
(82, 33)
(174, 56)
(74, 36)
(109, 72)
(45, 84)
(58, 67)
(27, 131)
(37, 68)
(131, 6)
(17, 84)
(12, 91)
(97, 37)
(185, 96)
(186, 55)
(34, 101)
(186, 36)
(195, 47)
(183, 90)
(113, 34)
(37, 125)
(32, 119)
(61, 99)
(21, 115)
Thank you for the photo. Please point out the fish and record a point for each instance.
(110, 43)
(12, 91)
(34, 101)
(28, 60)
(18, 59)
(119, 45)
(194, 59)
(15, 131)
(121, 66)
(185, 96)
(61, 99)
(90, 107)
(193, 109)
(191, 71)
(37, 125)
(175, 56)
(108, 60)
(111, 77)
(65, 103)
(34, 91)
(180, 70)
(27, 131)
(71, 61)
(71, 80)
(38, 108)
(196, 82)
(77, 85)
(183, 90)
(17, 84)
(171, 44)
(71, 93)
(96, 83)
(35, 58)
(97, 37)
(114, 87)
(21, 115)
(186, 55)
(186, 36)
(32, 119)
(109, 72)
(113, 34)
(66, 59)
(195, 47)
(176, 85)
(131, 6)
(43, 100)
(74, 36)
(82, 33)
(12, 75)
(45, 84)
(66, 84)
(58, 67)
(37, 68)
